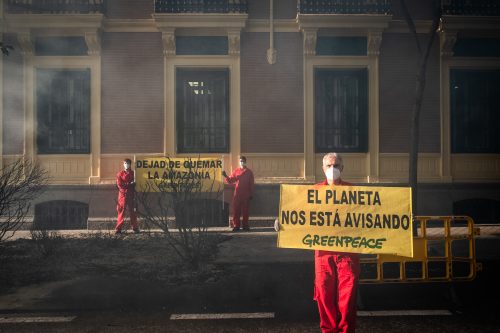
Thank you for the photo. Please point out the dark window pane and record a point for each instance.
(475, 120)
(63, 111)
(202, 111)
(341, 110)
(477, 47)
(201, 45)
(341, 46)
(61, 46)
(482, 211)
(61, 215)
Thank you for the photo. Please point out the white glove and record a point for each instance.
(277, 225)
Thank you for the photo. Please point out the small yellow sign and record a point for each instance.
(178, 174)
(357, 219)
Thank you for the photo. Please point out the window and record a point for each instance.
(61, 215)
(341, 110)
(202, 111)
(475, 120)
(63, 111)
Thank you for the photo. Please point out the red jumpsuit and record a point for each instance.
(335, 287)
(126, 193)
(243, 191)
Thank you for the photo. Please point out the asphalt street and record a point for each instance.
(256, 280)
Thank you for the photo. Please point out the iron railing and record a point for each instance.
(471, 7)
(201, 6)
(55, 6)
(344, 6)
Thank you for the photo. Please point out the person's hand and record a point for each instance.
(224, 173)
(277, 225)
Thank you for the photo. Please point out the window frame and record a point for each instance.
(44, 149)
(181, 72)
(363, 128)
(455, 125)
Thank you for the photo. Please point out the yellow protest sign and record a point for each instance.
(358, 219)
(154, 174)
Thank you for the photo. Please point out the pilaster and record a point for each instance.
(309, 44)
(447, 42)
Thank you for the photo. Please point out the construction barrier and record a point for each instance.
(443, 251)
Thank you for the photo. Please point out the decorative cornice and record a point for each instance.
(310, 37)
(27, 25)
(400, 26)
(129, 25)
(81, 22)
(460, 22)
(360, 22)
(221, 21)
(279, 25)
(225, 24)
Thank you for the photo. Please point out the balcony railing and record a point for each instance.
(471, 7)
(344, 6)
(55, 6)
(201, 6)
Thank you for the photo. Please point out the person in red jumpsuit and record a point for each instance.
(243, 192)
(336, 273)
(126, 191)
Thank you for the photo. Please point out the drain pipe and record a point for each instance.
(271, 52)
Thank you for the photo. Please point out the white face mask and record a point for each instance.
(126, 166)
(332, 174)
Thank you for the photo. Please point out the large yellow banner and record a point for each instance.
(358, 219)
(154, 174)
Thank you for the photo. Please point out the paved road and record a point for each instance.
(285, 291)
(257, 278)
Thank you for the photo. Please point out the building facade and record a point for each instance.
(279, 81)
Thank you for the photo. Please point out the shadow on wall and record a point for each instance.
(482, 211)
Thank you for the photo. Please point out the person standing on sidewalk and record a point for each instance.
(243, 192)
(125, 182)
(336, 273)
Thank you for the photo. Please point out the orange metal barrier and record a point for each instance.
(443, 251)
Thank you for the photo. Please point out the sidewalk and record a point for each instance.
(244, 247)
(259, 245)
